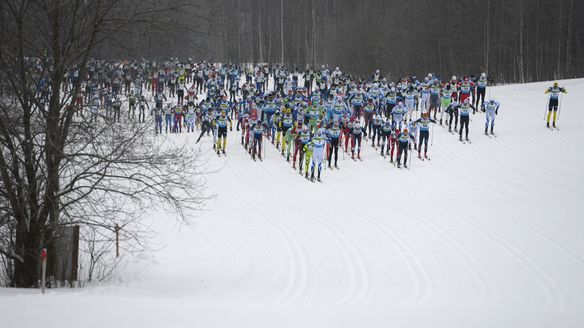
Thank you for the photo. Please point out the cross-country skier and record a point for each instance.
(398, 113)
(385, 134)
(222, 122)
(318, 144)
(481, 84)
(464, 112)
(491, 109)
(424, 127)
(357, 133)
(334, 136)
(258, 132)
(403, 141)
(302, 139)
(554, 92)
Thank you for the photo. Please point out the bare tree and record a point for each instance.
(55, 168)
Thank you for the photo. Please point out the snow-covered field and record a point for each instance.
(488, 234)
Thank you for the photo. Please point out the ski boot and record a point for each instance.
(223, 151)
(486, 132)
(419, 155)
(554, 124)
(460, 138)
(548, 124)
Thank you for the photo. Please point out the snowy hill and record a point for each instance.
(488, 234)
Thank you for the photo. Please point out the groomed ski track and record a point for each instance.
(488, 234)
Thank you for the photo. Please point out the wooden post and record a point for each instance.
(43, 269)
(117, 229)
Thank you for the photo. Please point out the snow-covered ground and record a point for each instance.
(488, 234)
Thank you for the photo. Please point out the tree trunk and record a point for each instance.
(568, 64)
(282, 30)
(313, 9)
(559, 37)
(521, 23)
(260, 30)
(487, 36)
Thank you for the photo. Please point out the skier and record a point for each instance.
(398, 114)
(491, 108)
(554, 92)
(434, 98)
(424, 126)
(357, 133)
(385, 134)
(258, 131)
(168, 118)
(333, 134)
(464, 112)
(481, 89)
(287, 123)
(452, 112)
(377, 121)
(318, 143)
(403, 140)
(158, 121)
(447, 95)
(221, 122)
(207, 122)
(425, 91)
(302, 139)
(190, 117)
(465, 88)
(369, 110)
(410, 99)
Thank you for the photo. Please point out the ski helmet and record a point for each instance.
(556, 84)
(483, 75)
(406, 131)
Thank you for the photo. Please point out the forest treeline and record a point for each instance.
(512, 40)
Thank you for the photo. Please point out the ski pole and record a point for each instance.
(545, 110)
(432, 137)
(560, 107)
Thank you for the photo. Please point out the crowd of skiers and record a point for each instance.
(307, 115)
